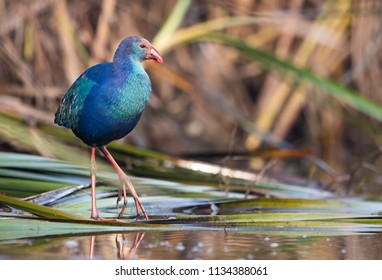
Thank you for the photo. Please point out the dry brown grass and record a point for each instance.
(204, 92)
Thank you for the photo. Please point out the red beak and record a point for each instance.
(153, 54)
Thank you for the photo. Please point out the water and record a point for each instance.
(186, 221)
(189, 245)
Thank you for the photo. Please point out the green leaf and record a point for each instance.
(271, 62)
(38, 210)
(172, 22)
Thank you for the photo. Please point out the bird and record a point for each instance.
(104, 104)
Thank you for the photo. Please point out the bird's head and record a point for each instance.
(137, 48)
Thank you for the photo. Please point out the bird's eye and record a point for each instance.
(142, 46)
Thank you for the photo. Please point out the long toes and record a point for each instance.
(139, 207)
(126, 183)
(121, 193)
(124, 201)
(118, 200)
(122, 211)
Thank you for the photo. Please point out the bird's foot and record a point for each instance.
(94, 214)
(122, 193)
(125, 182)
(98, 218)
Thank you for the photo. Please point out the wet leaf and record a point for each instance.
(38, 210)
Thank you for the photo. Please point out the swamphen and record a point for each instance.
(105, 103)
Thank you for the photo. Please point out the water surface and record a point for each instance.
(190, 245)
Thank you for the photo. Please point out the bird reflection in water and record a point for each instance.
(122, 252)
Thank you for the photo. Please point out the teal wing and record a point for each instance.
(70, 106)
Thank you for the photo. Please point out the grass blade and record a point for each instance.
(271, 62)
(173, 21)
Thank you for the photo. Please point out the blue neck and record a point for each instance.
(126, 65)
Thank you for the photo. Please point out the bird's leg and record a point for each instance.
(125, 182)
(93, 171)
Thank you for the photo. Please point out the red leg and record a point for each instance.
(93, 171)
(125, 181)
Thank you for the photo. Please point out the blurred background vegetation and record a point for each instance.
(243, 81)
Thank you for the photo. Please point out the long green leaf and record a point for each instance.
(205, 31)
(271, 62)
(38, 210)
(173, 21)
